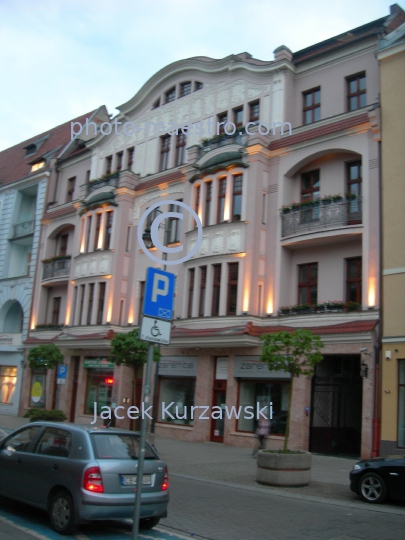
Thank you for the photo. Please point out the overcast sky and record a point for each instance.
(63, 58)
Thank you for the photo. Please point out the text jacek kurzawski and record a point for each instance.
(177, 411)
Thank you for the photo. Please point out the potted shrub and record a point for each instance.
(297, 353)
(38, 415)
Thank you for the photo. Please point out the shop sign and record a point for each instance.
(98, 363)
(178, 366)
(250, 367)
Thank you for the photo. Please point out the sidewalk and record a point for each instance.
(221, 463)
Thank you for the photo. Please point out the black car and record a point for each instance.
(376, 479)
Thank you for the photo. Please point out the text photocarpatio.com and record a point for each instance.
(174, 411)
(205, 127)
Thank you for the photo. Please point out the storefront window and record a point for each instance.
(401, 405)
(38, 389)
(8, 381)
(99, 389)
(253, 392)
(180, 392)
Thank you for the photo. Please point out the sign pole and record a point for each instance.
(141, 456)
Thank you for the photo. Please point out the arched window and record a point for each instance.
(13, 320)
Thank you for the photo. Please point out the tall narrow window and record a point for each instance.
(180, 149)
(141, 298)
(221, 200)
(121, 312)
(353, 280)
(238, 116)
(401, 403)
(264, 208)
(108, 229)
(170, 95)
(312, 105)
(88, 176)
(208, 195)
(100, 306)
(174, 225)
(356, 92)
(164, 152)
(63, 243)
(216, 289)
(310, 186)
(82, 292)
(254, 111)
(128, 237)
(56, 310)
(259, 299)
(119, 161)
(130, 157)
(108, 164)
(88, 234)
(191, 274)
(197, 201)
(97, 235)
(90, 304)
(232, 288)
(308, 283)
(354, 183)
(71, 189)
(237, 197)
(222, 120)
(203, 282)
(74, 304)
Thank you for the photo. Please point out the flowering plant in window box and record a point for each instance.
(327, 199)
(285, 310)
(286, 209)
(351, 305)
(302, 308)
(337, 197)
(306, 204)
(295, 206)
(335, 304)
(319, 308)
(350, 196)
(56, 258)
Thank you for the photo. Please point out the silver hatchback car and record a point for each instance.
(80, 473)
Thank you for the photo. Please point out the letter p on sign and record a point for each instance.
(156, 290)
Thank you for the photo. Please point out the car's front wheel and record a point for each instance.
(62, 513)
(148, 523)
(373, 488)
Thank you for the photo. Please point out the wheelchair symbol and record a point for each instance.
(155, 330)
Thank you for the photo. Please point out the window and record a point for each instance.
(208, 193)
(128, 238)
(82, 292)
(164, 152)
(203, 282)
(71, 189)
(254, 111)
(170, 95)
(88, 234)
(264, 209)
(197, 201)
(37, 165)
(156, 104)
(98, 390)
(221, 200)
(308, 283)
(237, 197)
(130, 157)
(63, 243)
(232, 288)
(259, 299)
(100, 307)
(141, 298)
(222, 120)
(108, 229)
(97, 235)
(191, 275)
(310, 186)
(56, 310)
(180, 392)
(275, 392)
(356, 92)
(54, 442)
(21, 442)
(118, 446)
(88, 176)
(74, 304)
(30, 149)
(353, 280)
(198, 86)
(185, 89)
(38, 389)
(354, 182)
(180, 149)
(90, 304)
(216, 289)
(238, 116)
(119, 161)
(312, 105)
(401, 403)
(108, 163)
(121, 312)
(8, 382)
(174, 225)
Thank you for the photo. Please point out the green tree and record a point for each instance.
(129, 350)
(45, 356)
(297, 353)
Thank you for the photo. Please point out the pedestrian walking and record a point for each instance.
(262, 431)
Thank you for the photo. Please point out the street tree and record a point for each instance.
(46, 356)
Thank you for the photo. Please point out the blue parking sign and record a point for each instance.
(61, 374)
(159, 294)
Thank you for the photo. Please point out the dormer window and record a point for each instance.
(37, 165)
(30, 149)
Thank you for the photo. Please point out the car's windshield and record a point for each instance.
(118, 446)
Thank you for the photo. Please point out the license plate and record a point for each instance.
(130, 480)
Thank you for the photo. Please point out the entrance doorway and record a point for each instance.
(218, 400)
(336, 406)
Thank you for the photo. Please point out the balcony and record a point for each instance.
(57, 268)
(23, 229)
(219, 141)
(109, 181)
(321, 217)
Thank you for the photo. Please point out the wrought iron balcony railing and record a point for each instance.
(221, 140)
(322, 217)
(111, 180)
(24, 228)
(56, 268)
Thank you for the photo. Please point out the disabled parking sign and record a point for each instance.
(159, 294)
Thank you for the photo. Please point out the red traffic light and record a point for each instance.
(109, 380)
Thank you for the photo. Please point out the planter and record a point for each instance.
(283, 469)
(295, 208)
(326, 202)
(337, 199)
(286, 210)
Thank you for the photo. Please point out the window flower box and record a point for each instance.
(350, 196)
(337, 198)
(327, 199)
